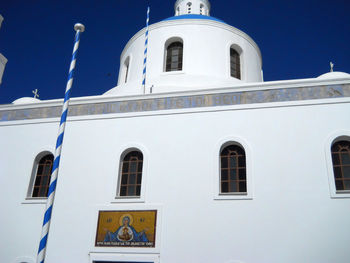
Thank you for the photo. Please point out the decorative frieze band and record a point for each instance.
(183, 102)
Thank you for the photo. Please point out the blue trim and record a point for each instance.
(42, 243)
(52, 188)
(194, 16)
(47, 216)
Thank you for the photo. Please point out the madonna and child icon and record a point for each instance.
(126, 232)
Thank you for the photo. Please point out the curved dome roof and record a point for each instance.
(334, 75)
(26, 100)
(194, 16)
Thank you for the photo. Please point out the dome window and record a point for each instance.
(126, 69)
(174, 56)
(235, 64)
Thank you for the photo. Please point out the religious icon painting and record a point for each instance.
(126, 228)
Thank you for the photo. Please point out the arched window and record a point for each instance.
(235, 64)
(131, 174)
(189, 4)
(233, 177)
(174, 56)
(177, 11)
(42, 168)
(126, 69)
(341, 164)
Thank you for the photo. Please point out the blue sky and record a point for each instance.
(297, 39)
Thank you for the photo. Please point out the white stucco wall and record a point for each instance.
(206, 58)
(290, 217)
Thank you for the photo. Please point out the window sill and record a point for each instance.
(341, 194)
(34, 200)
(178, 72)
(233, 196)
(128, 199)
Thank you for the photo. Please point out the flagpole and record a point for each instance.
(145, 54)
(79, 28)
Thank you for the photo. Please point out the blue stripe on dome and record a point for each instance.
(194, 16)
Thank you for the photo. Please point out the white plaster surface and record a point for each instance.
(291, 218)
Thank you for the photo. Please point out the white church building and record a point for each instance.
(207, 164)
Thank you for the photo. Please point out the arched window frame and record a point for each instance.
(166, 45)
(124, 72)
(232, 159)
(126, 149)
(239, 50)
(342, 135)
(227, 141)
(36, 162)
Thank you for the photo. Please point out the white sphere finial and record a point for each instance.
(79, 27)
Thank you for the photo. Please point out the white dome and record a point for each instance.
(334, 75)
(207, 43)
(26, 100)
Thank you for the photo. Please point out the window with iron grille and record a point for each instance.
(174, 54)
(42, 177)
(131, 174)
(235, 64)
(341, 165)
(233, 177)
(126, 69)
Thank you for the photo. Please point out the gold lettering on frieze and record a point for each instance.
(130, 106)
(346, 90)
(335, 91)
(227, 100)
(147, 105)
(216, 100)
(122, 107)
(179, 103)
(199, 101)
(160, 104)
(196, 101)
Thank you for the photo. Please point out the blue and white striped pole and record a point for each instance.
(79, 28)
(145, 54)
